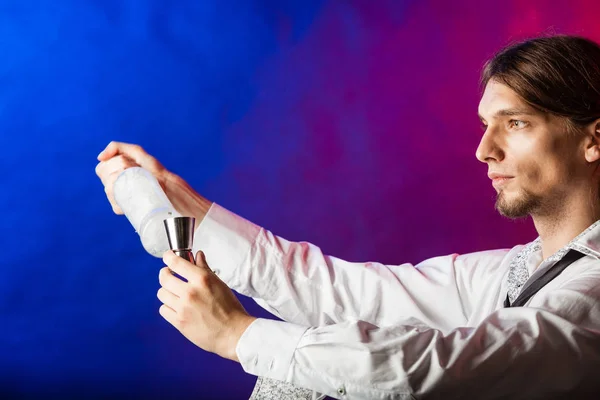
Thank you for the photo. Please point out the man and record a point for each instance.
(486, 325)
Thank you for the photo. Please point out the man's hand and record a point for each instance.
(203, 309)
(118, 156)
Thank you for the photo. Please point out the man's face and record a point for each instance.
(532, 159)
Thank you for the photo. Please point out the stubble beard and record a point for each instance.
(522, 206)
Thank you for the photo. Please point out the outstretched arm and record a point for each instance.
(295, 280)
(516, 353)
(551, 347)
(298, 283)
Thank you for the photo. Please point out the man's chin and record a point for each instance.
(514, 208)
(511, 213)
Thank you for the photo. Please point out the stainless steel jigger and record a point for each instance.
(180, 232)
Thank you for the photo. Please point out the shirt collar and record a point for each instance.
(587, 242)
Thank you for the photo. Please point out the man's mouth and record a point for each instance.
(499, 179)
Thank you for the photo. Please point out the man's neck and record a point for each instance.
(559, 228)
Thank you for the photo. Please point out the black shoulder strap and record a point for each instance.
(551, 273)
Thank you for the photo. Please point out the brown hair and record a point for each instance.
(557, 74)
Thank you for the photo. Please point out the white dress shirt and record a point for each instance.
(437, 329)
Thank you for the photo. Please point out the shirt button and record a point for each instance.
(341, 391)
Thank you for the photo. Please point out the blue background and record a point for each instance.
(348, 124)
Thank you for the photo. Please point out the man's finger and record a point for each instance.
(171, 282)
(115, 148)
(133, 151)
(168, 314)
(115, 164)
(168, 298)
(178, 265)
(109, 151)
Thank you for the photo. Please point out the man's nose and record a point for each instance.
(489, 148)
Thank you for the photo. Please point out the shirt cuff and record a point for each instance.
(267, 348)
(226, 240)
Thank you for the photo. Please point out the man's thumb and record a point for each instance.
(200, 260)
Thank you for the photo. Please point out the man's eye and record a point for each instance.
(516, 123)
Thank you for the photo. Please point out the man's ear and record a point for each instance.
(592, 146)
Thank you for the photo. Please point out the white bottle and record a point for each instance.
(146, 206)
